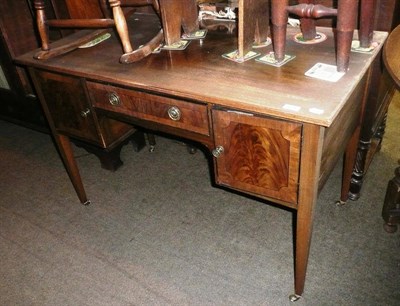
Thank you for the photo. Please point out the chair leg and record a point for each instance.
(190, 21)
(121, 25)
(308, 28)
(41, 24)
(178, 14)
(279, 16)
(347, 13)
(366, 22)
(130, 55)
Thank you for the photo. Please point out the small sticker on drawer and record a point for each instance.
(291, 107)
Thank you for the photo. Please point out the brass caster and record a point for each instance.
(86, 203)
(152, 149)
(340, 203)
(294, 297)
(390, 228)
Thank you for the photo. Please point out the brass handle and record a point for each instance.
(113, 98)
(218, 151)
(174, 113)
(85, 113)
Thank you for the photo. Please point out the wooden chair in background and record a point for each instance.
(116, 18)
(177, 15)
(252, 25)
(346, 14)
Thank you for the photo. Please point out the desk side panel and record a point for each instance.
(339, 133)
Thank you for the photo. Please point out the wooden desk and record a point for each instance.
(391, 207)
(274, 133)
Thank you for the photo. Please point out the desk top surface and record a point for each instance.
(200, 73)
(392, 55)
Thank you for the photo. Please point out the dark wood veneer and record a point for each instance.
(261, 155)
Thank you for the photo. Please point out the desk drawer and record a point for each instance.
(167, 111)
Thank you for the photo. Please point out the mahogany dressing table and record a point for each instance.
(274, 133)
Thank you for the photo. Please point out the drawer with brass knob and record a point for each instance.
(168, 111)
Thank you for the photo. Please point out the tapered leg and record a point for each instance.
(309, 178)
(121, 25)
(67, 155)
(347, 12)
(367, 13)
(63, 144)
(279, 16)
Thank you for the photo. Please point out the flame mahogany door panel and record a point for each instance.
(258, 155)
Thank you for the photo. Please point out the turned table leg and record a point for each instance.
(349, 162)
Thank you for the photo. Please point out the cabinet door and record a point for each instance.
(72, 113)
(257, 155)
(65, 97)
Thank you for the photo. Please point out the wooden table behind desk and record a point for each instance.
(391, 209)
(392, 55)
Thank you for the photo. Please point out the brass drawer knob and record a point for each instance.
(85, 113)
(174, 113)
(218, 151)
(113, 98)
